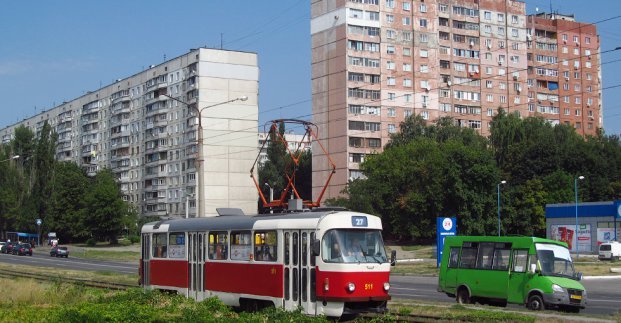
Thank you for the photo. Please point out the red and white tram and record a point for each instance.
(326, 262)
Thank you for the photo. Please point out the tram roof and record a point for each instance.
(233, 222)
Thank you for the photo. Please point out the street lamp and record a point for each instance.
(498, 189)
(271, 195)
(576, 192)
(13, 157)
(200, 143)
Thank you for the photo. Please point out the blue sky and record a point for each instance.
(52, 51)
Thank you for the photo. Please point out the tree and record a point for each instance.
(105, 210)
(66, 212)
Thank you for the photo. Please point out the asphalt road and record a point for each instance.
(41, 259)
(603, 293)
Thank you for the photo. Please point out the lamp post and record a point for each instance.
(271, 195)
(11, 158)
(576, 192)
(498, 189)
(187, 204)
(199, 205)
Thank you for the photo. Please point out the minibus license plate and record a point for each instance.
(575, 296)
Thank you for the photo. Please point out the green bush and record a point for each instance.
(91, 242)
(134, 239)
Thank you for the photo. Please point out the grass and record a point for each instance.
(93, 253)
(29, 301)
(597, 268)
(418, 268)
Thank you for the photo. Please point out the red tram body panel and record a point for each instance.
(258, 279)
(168, 273)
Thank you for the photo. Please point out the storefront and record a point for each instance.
(597, 223)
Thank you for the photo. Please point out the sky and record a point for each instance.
(55, 51)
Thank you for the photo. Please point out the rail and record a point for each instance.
(78, 281)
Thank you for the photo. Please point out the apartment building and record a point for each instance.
(376, 62)
(181, 136)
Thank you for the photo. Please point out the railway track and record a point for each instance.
(77, 281)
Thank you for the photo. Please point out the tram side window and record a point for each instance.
(485, 255)
(176, 245)
(265, 246)
(468, 255)
(218, 245)
(241, 245)
(454, 257)
(159, 245)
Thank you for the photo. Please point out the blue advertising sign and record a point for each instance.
(445, 227)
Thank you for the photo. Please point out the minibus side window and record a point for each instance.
(501, 259)
(454, 257)
(468, 255)
(520, 258)
(486, 254)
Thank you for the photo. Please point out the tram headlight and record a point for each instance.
(351, 287)
(386, 286)
(326, 285)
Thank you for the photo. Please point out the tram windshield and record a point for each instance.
(353, 246)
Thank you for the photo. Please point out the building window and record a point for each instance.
(407, 5)
(423, 23)
(405, 21)
(425, 115)
(407, 67)
(423, 7)
(390, 18)
(392, 128)
(407, 82)
(390, 49)
(442, 7)
(407, 51)
(392, 112)
(390, 81)
(424, 53)
(390, 4)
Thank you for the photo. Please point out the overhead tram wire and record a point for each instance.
(370, 131)
(459, 60)
(258, 30)
(344, 119)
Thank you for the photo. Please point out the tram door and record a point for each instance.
(196, 264)
(299, 270)
(146, 257)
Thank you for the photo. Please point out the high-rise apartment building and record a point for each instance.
(376, 62)
(181, 137)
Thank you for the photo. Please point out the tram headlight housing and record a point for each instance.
(351, 287)
(386, 286)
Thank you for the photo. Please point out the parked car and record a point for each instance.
(610, 250)
(7, 248)
(59, 252)
(22, 249)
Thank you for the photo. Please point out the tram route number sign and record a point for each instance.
(359, 221)
(445, 227)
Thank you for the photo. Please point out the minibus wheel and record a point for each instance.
(535, 303)
(463, 296)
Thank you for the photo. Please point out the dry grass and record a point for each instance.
(92, 253)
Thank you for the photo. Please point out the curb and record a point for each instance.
(601, 277)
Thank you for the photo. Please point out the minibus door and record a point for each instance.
(518, 276)
(299, 271)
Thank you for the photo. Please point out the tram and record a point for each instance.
(325, 262)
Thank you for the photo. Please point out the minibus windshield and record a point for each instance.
(554, 260)
(353, 246)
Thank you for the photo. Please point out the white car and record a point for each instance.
(610, 250)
